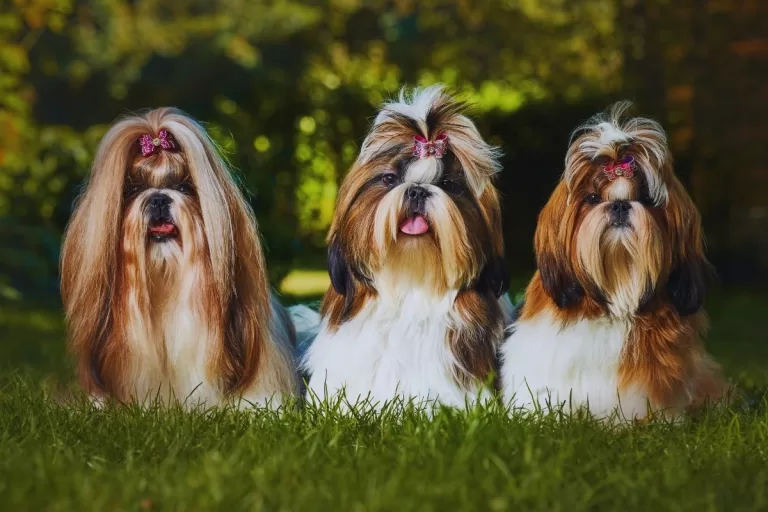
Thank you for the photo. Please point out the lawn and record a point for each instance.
(72, 457)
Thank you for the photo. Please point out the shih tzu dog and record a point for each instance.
(613, 318)
(163, 278)
(416, 263)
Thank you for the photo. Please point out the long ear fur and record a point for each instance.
(493, 276)
(552, 258)
(236, 256)
(350, 288)
(691, 272)
(341, 277)
(90, 252)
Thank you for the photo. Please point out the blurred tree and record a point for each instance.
(287, 87)
(30, 151)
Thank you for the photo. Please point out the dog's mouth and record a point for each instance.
(414, 226)
(162, 231)
(621, 225)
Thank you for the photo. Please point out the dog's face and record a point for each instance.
(163, 220)
(620, 229)
(619, 233)
(415, 222)
(417, 208)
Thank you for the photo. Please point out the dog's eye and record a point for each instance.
(184, 188)
(593, 199)
(448, 185)
(647, 200)
(132, 190)
(389, 179)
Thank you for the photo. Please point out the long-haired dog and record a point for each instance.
(416, 262)
(163, 278)
(612, 319)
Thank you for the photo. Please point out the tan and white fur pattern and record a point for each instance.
(163, 278)
(612, 320)
(413, 316)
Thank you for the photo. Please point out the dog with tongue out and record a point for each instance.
(163, 277)
(417, 305)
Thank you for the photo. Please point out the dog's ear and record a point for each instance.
(559, 281)
(494, 277)
(552, 261)
(687, 285)
(338, 269)
(348, 285)
(691, 273)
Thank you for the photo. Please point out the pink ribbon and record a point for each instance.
(620, 169)
(422, 148)
(150, 145)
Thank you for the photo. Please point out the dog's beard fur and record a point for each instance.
(624, 263)
(166, 285)
(442, 259)
(171, 298)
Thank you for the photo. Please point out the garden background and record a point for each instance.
(288, 88)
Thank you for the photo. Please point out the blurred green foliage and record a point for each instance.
(287, 87)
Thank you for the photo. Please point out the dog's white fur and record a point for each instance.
(398, 346)
(552, 369)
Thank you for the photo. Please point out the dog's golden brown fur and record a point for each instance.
(190, 316)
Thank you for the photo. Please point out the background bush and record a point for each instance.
(289, 87)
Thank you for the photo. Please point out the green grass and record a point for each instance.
(68, 456)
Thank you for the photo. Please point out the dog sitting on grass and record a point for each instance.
(163, 277)
(416, 263)
(613, 318)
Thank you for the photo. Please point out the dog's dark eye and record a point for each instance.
(593, 198)
(647, 200)
(389, 179)
(184, 188)
(132, 190)
(448, 185)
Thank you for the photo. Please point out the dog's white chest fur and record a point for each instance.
(577, 366)
(392, 348)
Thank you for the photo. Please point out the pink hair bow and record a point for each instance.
(150, 145)
(422, 148)
(620, 169)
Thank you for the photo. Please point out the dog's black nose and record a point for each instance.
(620, 211)
(158, 207)
(159, 200)
(417, 193)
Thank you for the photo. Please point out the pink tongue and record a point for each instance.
(162, 229)
(415, 226)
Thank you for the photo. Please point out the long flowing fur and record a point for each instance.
(613, 317)
(128, 302)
